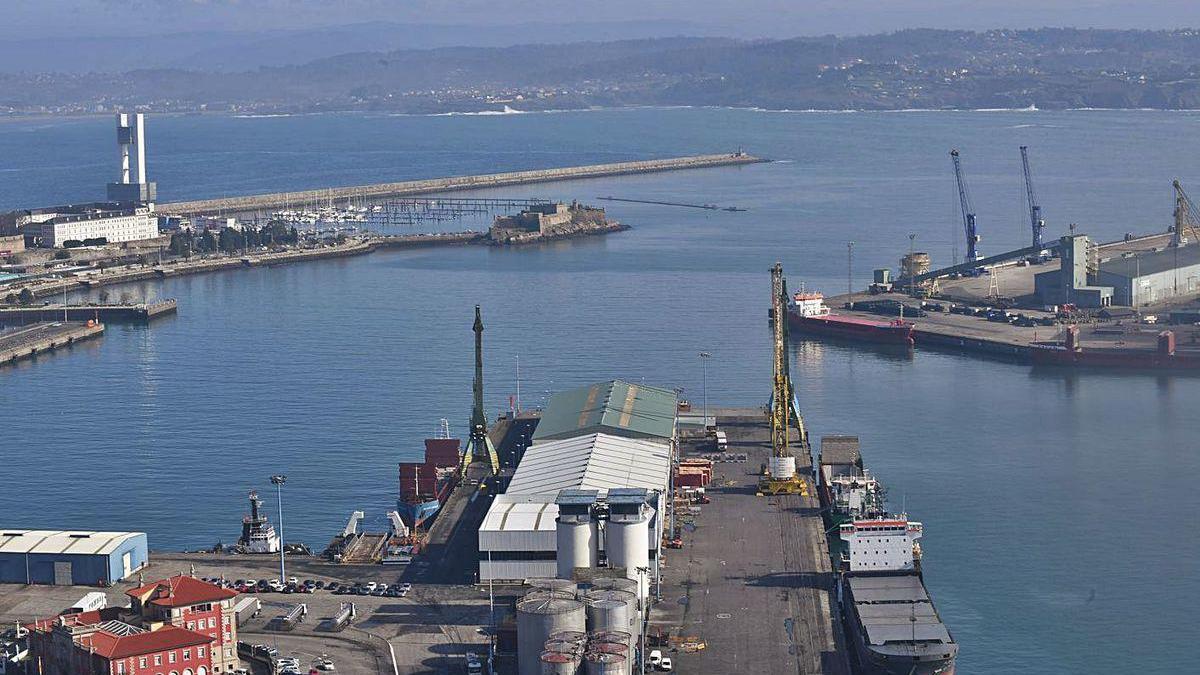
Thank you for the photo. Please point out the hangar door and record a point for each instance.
(62, 574)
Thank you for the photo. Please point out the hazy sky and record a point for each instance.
(770, 18)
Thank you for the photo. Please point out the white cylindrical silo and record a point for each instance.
(578, 545)
(614, 583)
(607, 615)
(557, 663)
(536, 620)
(627, 542)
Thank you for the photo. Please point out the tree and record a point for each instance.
(208, 243)
(26, 297)
(11, 299)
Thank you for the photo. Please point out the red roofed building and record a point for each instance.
(175, 626)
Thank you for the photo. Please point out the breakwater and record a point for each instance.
(450, 184)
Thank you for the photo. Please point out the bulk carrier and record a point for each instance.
(891, 622)
(424, 486)
(808, 313)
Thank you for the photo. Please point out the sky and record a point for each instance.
(736, 18)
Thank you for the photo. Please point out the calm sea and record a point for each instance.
(1059, 507)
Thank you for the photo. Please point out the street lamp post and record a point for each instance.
(279, 480)
(704, 357)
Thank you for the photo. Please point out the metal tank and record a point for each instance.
(576, 635)
(614, 583)
(536, 620)
(559, 585)
(578, 545)
(555, 663)
(603, 663)
(563, 646)
(547, 594)
(606, 614)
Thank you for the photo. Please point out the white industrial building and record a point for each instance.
(101, 223)
(611, 495)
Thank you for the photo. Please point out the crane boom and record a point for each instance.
(968, 213)
(1186, 215)
(1035, 209)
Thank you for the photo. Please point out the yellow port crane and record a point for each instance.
(780, 476)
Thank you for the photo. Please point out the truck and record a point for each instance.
(245, 609)
(89, 603)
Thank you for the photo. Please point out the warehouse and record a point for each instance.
(1157, 276)
(518, 537)
(614, 407)
(70, 557)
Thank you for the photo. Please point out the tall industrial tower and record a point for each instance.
(131, 140)
(479, 446)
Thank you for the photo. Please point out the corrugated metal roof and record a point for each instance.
(63, 541)
(531, 512)
(614, 407)
(592, 462)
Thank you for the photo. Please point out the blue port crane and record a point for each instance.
(1035, 209)
(968, 212)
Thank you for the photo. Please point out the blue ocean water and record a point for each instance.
(1059, 507)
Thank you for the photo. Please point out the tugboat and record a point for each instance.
(891, 622)
(258, 535)
(425, 485)
(808, 313)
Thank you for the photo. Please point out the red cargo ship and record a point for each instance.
(1069, 352)
(808, 313)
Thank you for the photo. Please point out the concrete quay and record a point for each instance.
(753, 582)
(31, 341)
(139, 313)
(451, 184)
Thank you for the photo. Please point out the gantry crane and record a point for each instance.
(1035, 209)
(1186, 215)
(780, 476)
(968, 212)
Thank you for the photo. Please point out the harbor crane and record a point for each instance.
(1035, 209)
(780, 476)
(479, 446)
(968, 212)
(1186, 216)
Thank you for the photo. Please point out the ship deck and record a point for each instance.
(753, 582)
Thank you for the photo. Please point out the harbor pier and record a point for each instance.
(279, 200)
(136, 313)
(30, 341)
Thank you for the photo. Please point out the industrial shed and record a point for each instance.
(614, 407)
(519, 536)
(68, 557)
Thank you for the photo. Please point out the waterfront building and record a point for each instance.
(70, 557)
(177, 625)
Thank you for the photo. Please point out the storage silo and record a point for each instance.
(577, 532)
(572, 635)
(546, 594)
(564, 646)
(627, 535)
(536, 620)
(603, 663)
(608, 614)
(558, 585)
(614, 583)
(556, 663)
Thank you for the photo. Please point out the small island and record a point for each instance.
(546, 222)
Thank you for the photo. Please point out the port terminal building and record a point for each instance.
(591, 491)
(1132, 279)
(68, 557)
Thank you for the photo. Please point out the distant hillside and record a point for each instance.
(1047, 68)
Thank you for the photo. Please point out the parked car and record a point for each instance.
(665, 665)
(370, 586)
(656, 658)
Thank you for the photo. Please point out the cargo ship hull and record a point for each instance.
(1047, 355)
(853, 328)
(899, 657)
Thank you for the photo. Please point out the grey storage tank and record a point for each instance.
(536, 620)
(556, 663)
(603, 663)
(557, 585)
